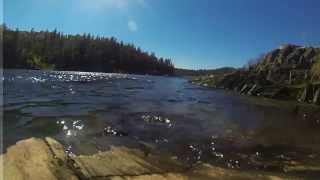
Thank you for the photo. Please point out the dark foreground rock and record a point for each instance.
(45, 159)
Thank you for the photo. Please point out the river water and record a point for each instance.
(89, 112)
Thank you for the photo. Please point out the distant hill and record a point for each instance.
(288, 72)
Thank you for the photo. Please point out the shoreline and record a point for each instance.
(235, 92)
(46, 159)
(97, 72)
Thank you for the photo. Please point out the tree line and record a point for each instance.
(203, 72)
(86, 52)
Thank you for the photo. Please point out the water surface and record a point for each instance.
(89, 112)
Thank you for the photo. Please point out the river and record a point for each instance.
(89, 112)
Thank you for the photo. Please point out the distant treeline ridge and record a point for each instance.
(54, 50)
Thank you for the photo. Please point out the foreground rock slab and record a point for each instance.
(34, 159)
(45, 159)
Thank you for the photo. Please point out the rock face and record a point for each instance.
(284, 73)
(45, 159)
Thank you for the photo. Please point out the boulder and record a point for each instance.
(35, 159)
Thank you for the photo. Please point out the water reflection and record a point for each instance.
(109, 131)
(71, 128)
(157, 120)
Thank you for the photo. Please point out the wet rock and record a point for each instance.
(303, 96)
(40, 159)
(310, 93)
(273, 92)
(316, 97)
(37, 160)
(207, 171)
(243, 89)
(152, 176)
(300, 168)
(120, 162)
(250, 92)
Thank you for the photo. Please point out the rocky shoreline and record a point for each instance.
(40, 159)
(288, 73)
(304, 94)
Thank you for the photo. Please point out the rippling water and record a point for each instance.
(89, 112)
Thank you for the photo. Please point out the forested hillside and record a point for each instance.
(54, 50)
(201, 72)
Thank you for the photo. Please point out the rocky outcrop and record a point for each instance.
(40, 159)
(37, 160)
(309, 93)
(284, 73)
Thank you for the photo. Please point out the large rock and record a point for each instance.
(35, 159)
(45, 159)
(124, 162)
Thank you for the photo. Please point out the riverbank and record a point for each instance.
(46, 159)
(289, 72)
(303, 93)
(282, 97)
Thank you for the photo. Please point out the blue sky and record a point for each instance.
(196, 34)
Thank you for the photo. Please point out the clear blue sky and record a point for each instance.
(194, 33)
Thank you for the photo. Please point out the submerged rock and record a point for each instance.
(40, 159)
